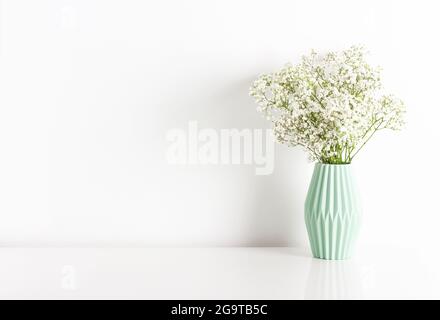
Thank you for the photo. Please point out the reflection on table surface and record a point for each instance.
(213, 273)
(333, 280)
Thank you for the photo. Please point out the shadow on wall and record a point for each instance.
(274, 208)
(278, 216)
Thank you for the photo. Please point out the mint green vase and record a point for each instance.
(332, 212)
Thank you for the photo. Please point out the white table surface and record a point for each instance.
(213, 273)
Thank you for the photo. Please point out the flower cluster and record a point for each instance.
(330, 105)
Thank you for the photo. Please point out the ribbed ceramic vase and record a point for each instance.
(332, 212)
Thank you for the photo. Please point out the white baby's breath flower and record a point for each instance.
(330, 105)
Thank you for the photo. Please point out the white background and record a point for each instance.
(89, 90)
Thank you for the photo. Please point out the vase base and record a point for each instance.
(331, 258)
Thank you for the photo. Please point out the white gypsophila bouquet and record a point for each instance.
(330, 105)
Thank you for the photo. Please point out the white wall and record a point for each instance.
(89, 89)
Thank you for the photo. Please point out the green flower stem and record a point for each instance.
(372, 134)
